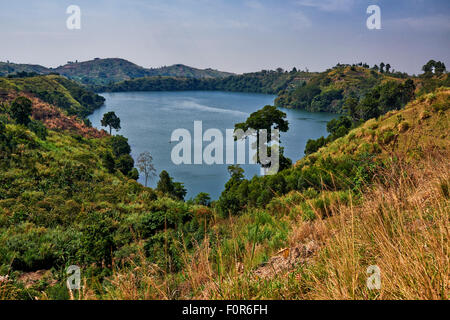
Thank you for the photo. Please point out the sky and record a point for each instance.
(228, 35)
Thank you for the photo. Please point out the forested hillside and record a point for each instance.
(59, 91)
(317, 92)
(99, 72)
(375, 193)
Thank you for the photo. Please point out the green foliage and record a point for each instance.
(202, 199)
(337, 129)
(324, 100)
(327, 91)
(21, 109)
(61, 92)
(124, 163)
(265, 118)
(59, 205)
(388, 96)
(38, 128)
(434, 67)
(108, 162)
(111, 120)
(167, 186)
(265, 81)
(119, 145)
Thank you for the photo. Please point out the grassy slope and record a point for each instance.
(349, 80)
(59, 206)
(59, 91)
(399, 222)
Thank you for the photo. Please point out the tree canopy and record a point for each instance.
(21, 109)
(111, 120)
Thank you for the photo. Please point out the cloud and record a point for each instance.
(328, 5)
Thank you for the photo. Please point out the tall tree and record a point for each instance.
(112, 120)
(165, 184)
(388, 68)
(382, 65)
(203, 199)
(267, 118)
(351, 106)
(145, 165)
(21, 109)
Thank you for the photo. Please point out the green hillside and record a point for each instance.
(59, 91)
(266, 81)
(377, 194)
(182, 71)
(9, 68)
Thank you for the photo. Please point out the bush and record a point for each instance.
(38, 128)
(21, 109)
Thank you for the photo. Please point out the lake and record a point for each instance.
(149, 118)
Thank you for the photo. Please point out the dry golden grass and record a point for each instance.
(402, 227)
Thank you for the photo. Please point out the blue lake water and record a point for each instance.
(149, 118)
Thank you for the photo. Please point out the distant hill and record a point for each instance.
(265, 81)
(111, 70)
(182, 71)
(7, 68)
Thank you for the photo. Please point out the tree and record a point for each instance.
(434, 67)
(179, 191)
(388, 67)
(265, 119)
(112, 120)
(439, 68)
(369, 106)
(38, 128)
(108, 162)
(21, 109)
(382, 67)
(119, 145)
(125, 164)
(236, 176)
(165, 184)
(203, 199)
(428, 67)
(145, 165)
(351, 106)
(314, 145)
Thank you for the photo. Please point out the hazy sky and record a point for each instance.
(230, 35)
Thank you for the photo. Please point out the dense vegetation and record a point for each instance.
(265, 81)
(8, 68)
(66, 199)
(376, 193)
(56, 90)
